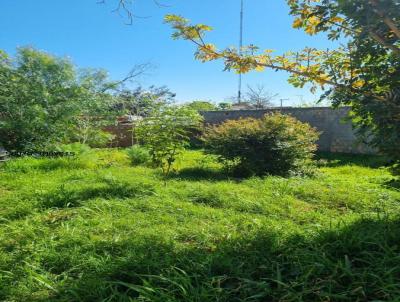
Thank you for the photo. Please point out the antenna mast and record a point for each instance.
(240, 51)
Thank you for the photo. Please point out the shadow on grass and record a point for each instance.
(198, 173)
(393, 184)
(71, 197)
(343, 159)
(324, 159)
(357, 262)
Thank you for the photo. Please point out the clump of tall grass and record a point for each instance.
(138, 155)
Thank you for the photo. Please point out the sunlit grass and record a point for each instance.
(95, 228)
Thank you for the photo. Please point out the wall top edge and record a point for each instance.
(279, 108)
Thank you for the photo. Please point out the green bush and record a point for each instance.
(275, 144)
(138, 155)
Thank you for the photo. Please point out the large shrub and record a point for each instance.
(275, 144)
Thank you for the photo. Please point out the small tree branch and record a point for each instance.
(382, 41)
(135, 72)
(293, 71)
(389, 22)
(126, 6)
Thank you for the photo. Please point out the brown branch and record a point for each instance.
(328, 82)
(124, 6)
(389, 22)
(382, 41)
(135, 72)
(342, 27)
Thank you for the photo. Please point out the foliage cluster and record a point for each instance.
(208, 105)
(45, 100)
(275, 144)
(201, 106)
(141, 102)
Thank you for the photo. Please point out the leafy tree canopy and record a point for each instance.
(224, 106)
(142, 102)
(46, 100)
(201, 106)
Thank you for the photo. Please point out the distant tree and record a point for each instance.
(201, 106)
(224, 106)
(92, 112)
(260, 97)
(142, 102)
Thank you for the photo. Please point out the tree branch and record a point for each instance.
(293, 71)
(136, 71)
(124, 6)
(382, 41)
(389, 22)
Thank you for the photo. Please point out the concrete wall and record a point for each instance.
(337, 134)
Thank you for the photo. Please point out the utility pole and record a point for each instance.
(282, 101)
(240, 51)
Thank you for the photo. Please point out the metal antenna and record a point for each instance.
(240, 51)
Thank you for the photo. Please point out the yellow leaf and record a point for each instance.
(297, 23)
(323, 78)
(337, 20)
(260, 68)
(310, 30)
(314, 20)
(358, 84)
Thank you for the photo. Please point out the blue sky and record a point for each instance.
(93, 36)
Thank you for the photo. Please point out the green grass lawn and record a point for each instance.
(96, 229)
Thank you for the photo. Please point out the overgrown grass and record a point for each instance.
(96, 229)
